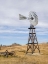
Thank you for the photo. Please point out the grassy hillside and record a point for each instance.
(22, 58)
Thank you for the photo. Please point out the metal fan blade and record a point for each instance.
(21, 17)
(33, 18)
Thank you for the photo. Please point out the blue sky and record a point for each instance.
(13, 30)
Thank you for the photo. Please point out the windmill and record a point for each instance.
(32, 40)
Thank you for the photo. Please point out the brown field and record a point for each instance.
(22, 58)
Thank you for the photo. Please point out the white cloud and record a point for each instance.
(11, 31)
(42, 24)
(9, 15)
(10, 9)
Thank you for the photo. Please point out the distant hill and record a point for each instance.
(15, 44)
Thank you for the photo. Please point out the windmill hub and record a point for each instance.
(31, 18)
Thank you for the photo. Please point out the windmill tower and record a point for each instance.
(32, 40)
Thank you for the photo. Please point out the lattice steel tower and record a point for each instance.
(32, 40)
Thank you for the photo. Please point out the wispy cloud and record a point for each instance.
(10, 31)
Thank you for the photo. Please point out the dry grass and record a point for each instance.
(22, 58)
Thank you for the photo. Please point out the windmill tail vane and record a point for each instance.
(21, 17)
